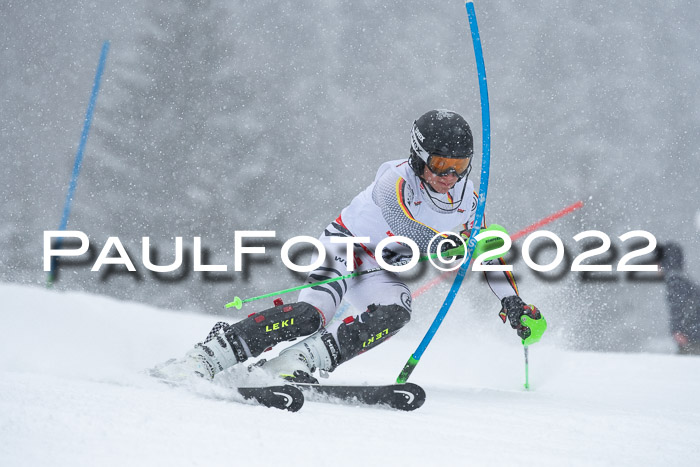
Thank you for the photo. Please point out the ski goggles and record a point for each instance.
(443, 166)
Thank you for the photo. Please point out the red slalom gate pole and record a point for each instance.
(547, 220)
(567, 210)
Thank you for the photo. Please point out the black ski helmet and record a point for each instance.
(439, 133)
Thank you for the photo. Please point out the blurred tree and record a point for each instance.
(173, 126)
(176, 143)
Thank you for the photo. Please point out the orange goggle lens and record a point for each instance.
(445, 165)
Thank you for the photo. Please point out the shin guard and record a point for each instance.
(359, 334)
(260, 331)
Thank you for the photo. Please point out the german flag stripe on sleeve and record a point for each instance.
(400, 184)
(510, 277)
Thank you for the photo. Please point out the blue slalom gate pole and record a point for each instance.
(79, 153)
(483, 189)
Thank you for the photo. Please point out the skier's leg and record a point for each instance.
(321, 350)
(327, 297)
(387, 304)
(229, 344)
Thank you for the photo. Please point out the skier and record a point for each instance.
(417, 198)
(683, 298)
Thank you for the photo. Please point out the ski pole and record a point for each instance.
(238, 302)
(527, 375)
(483, 189)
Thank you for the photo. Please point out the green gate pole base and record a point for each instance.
(407, 370)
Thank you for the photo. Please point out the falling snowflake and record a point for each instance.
(443, 113)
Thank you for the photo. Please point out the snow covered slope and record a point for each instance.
(72, 393)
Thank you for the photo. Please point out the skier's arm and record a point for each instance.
(502, 283)
(394, 198)
(525, 319)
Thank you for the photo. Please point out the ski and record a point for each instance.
(284, 397)
(405, 397)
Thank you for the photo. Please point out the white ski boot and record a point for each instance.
(205, 360)
(298, 362)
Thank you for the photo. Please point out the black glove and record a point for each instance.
(513, 309)
(452, 242)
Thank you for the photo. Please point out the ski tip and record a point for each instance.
(293, 398)
(285, 397)
(408, 397)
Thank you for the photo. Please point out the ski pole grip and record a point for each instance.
(407, 370)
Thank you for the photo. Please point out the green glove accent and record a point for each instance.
(457, 251)
(489, 243)
(537, 328)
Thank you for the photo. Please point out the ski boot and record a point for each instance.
(298, 362)
(205, 360)
(226, 345)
